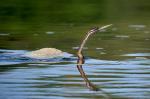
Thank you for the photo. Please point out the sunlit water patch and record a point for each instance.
(138, 54)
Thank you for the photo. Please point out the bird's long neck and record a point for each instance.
(86, 38)
(81, 60)
(92, 31)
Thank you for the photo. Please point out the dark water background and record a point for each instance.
(117, 60)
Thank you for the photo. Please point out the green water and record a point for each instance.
(118, 58)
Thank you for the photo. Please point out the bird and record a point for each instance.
(45, 53)
(81, 59)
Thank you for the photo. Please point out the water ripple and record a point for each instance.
(126, 79)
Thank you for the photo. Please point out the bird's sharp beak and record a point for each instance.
(104, 27)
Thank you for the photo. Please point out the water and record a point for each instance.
(117, 59)
(43, 80)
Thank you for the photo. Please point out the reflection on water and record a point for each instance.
(39, 80)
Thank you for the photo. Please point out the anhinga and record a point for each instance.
(81, 57)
